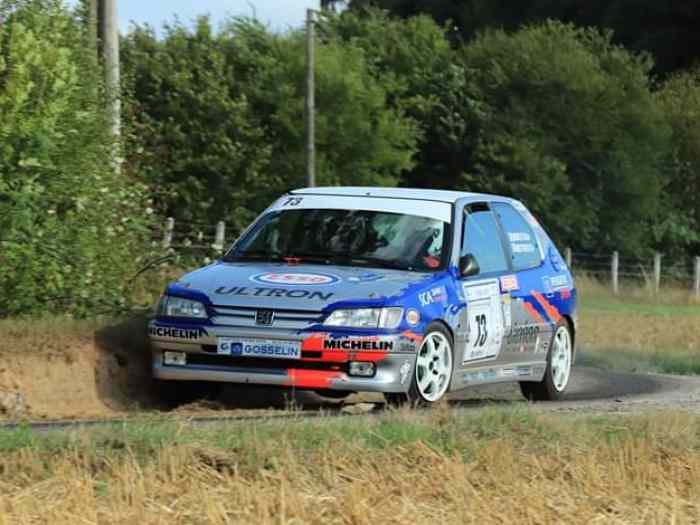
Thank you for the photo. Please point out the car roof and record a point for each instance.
(398, 193)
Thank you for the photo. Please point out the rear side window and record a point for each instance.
(481, 238)
(522, 242)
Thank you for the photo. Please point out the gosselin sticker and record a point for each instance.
(295, 279)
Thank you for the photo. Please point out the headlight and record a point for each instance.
(366, 318)
(178, 307)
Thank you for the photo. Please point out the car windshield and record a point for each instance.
(346, 237)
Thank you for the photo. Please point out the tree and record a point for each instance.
(668, 30)
(678, 227)
(68, 225)
(426, 80)
(571, 126)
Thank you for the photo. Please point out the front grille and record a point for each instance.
(255, 363)
(245, 317)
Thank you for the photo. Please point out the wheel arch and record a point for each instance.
(445, 325)
(572, 327)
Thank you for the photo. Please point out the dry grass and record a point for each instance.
(637, 331)
(493, 467)
(632, 292)
(52, 335)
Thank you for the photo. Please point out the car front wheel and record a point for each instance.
(558, 372)
(433, 370)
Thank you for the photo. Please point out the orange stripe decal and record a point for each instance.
(533, 313)
(550, 309)
(416, 338)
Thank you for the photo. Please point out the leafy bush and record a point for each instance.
(69, 225)
(223, 118)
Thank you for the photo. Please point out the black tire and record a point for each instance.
(176, 393)
(414, 396)
(547, 389)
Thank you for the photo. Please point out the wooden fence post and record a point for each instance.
(220, 236)
(697, 277)
(168, 235)
(567, 257)
(614, 269)
(657, 272)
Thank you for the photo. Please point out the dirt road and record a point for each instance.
(591, 391)
(595, 390)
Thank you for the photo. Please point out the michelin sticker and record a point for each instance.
(191, 334)
(295, 279)
(358, 343)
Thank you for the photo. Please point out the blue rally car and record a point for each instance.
(412, 293)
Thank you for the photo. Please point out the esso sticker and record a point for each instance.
(295, 279)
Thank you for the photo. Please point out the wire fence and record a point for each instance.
(198, 242)
(652, 272)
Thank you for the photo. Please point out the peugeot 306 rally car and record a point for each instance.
(412, 293)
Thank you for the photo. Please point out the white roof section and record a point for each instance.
(420, 207)
(397, 193)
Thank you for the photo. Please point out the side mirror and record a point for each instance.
(468, 266)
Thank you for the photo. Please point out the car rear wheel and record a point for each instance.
(558, 372)
(433, 369)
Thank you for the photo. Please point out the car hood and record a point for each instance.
(303, 287)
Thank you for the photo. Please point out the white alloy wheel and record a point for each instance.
(434, 366)
(560, 366)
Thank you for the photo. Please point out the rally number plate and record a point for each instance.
(259, 348)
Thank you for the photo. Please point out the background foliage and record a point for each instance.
(221, 116)
(667, 30)
(68, 226)
(501, 100)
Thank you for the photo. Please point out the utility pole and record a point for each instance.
(310, 101)
(109, 35)
(92, 26)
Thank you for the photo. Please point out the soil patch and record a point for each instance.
(76, 376)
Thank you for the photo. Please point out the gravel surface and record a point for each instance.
(595, 390)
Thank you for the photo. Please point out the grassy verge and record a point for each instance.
(495, 466)
(638, 332)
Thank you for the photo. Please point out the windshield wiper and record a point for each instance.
(291, 258)
(325, 258)
(253, 256)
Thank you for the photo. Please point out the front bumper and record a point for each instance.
(323, 365)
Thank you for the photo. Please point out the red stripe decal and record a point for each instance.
(311, 378)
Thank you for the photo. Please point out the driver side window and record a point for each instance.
(481, 238)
